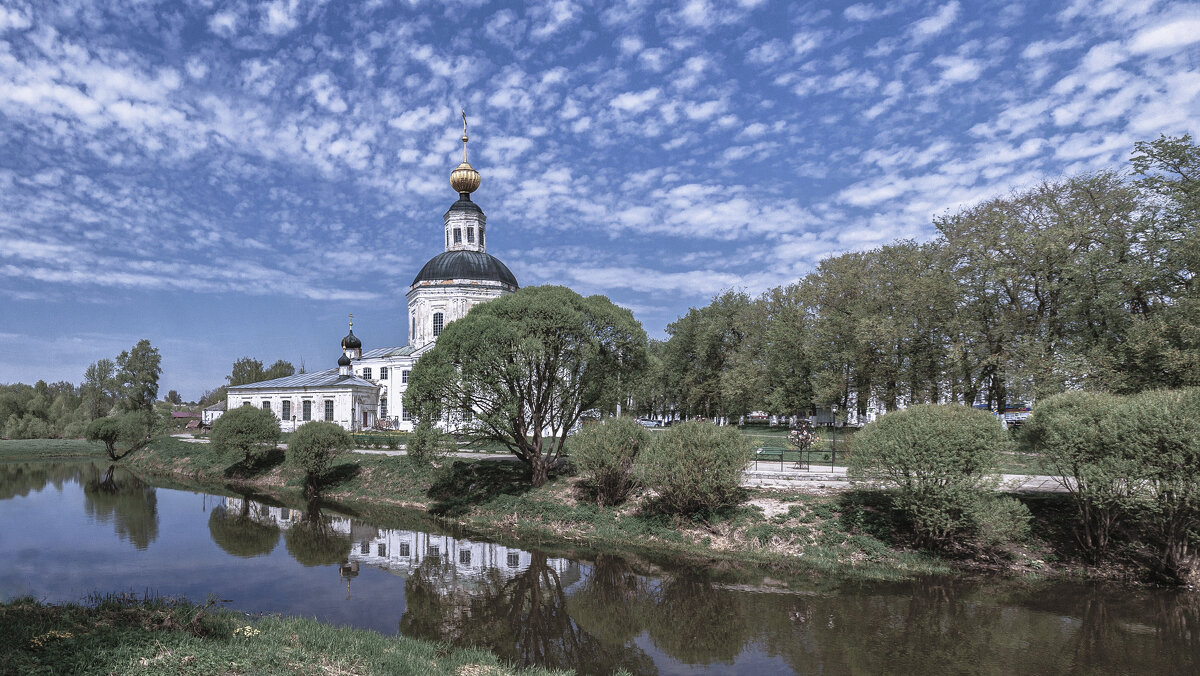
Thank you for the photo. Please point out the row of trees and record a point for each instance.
(127, 383)
(1086, 282)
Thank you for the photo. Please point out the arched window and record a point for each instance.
(412, 333)
(470, 235)
(458, 235)
(438, 323)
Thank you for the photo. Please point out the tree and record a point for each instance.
(525, 366)
(174, 398)
(313, 448)
(247, 432)
(245, 371)
(100, 387)
(127, 429)
(139, 369)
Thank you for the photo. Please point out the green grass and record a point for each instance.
(35, 449)
(123, 635)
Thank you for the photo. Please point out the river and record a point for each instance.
(72, 529)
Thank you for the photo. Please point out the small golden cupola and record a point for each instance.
(464, 179)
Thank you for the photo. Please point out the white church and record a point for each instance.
(367, 388)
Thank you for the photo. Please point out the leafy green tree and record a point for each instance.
(426, 441)
(938, 457)
(605, 452)
(138, 372)
(694, 467)
(525, 366)
(100, 387)
(127, 430)
(245, 371)
(174, 398)
(247, 433)
(314, 447)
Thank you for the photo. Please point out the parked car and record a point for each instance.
(646, 422)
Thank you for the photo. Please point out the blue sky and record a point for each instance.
(232, 178)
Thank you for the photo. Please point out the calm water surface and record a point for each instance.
(70, 529)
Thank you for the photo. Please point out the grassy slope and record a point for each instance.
(125, 636)
(39, 449)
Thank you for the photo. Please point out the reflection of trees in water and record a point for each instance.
(953, 628)
(608, 603)
(126, 501)
(314, 542)
(18, 479)
(696, 622)
(523, 618)
(241, 534)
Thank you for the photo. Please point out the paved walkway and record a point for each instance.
(774, 475)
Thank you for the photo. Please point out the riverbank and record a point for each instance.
(814, 532)
(125, 635)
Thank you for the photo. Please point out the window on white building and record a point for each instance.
(307, 407)
(404, 377)
(266, 406)
(470, 235)
(246, 403)
(405, 415)
(458, 235)
(438, 323)
(383, 407)
(468, 415)
(287, 410)
(367, 372)
(328, 410)
(383, 371)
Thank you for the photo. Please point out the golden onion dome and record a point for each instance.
(464, 178)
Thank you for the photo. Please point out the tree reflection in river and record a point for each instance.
(125, 500)
(314, 542)
(522, 618)
(22, 478)
(245, 533)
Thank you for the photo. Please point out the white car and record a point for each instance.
(646, 422)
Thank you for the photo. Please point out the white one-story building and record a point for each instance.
(366, 389)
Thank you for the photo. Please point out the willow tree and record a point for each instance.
(521, 369)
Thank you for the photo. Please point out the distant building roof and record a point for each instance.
(402, 351)
(326, 378)
(219, 406)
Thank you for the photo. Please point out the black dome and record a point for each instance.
(470, 265)
(351, 341)
(343, 360)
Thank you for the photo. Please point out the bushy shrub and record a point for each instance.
(999, 520)
(1159, 432)
(313, 448)
(939, 457)
(604, 452)
(246, 432)
(694, 466)
(426, 442)
(1068, 431)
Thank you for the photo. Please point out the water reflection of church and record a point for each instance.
(403, 551)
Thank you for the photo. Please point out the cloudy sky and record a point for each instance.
(229, 178)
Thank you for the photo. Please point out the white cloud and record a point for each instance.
(1167, 36)
(935, 23)
(636, 102)
(11, 19)
(280, 17)
(956, 69)
(224, 24)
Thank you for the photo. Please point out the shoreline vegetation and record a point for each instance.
(123, 634)
(809, 532)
